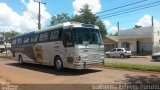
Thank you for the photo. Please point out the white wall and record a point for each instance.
(145, 43)
(156, 38)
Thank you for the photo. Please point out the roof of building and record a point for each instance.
(136, 32)
(110, 39)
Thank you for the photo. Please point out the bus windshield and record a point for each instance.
(86, 36)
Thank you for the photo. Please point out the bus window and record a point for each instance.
(26, 40)
(14, 41)
(34, 38)
(54, 35)
(43, 37)
(19, 41)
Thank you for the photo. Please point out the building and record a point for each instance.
(141, 41)
(3, 47)
(110, 42)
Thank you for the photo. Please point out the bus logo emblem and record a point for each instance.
(38, 53)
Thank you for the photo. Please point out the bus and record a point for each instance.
(70, 45)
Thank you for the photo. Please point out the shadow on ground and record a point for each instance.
(51, 70)
(152, 79)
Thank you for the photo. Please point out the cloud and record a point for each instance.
(7, 15)
(112, 30)
(145, 21)
(10, 20)
(24, 2)
(107, 23)
(94, 5)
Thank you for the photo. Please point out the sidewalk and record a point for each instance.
(149, 56)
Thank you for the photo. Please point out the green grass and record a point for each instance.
(133, 66)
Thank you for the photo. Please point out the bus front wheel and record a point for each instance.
(58, 64)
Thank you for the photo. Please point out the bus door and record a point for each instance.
(69, 46)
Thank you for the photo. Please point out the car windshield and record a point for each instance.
(126, 49)
(86, 35)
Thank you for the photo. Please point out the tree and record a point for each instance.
(6, 36)
(102, 28)
(86, 16)
(60, 18)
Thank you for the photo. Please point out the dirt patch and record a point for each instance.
(32, 75)
(4, 80)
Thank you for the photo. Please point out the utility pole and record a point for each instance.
(118, 25)
(39, 12)
(152, 21)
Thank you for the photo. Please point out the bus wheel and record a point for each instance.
(20, 60)
(58, 64)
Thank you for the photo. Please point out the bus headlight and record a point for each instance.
(78, 58)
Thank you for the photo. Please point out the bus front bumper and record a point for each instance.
(87, 64)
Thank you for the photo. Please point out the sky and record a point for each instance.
(21, 15)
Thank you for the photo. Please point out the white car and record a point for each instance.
(4, 52)
(119, 52)
(156, 56)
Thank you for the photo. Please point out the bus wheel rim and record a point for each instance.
(20, 60)
(58, 64)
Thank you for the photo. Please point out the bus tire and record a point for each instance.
(58, 64)
(20, 59)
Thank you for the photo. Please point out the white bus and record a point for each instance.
(71, 45)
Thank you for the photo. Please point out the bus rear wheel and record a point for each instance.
(20, 60)
(58, 64)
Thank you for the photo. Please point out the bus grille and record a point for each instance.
(93, 57)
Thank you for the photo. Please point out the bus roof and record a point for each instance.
(62, 25)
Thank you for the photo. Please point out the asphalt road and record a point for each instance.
(39, 74)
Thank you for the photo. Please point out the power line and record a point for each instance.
(124, 12)
(122, 6)
(31, 17)
(133, 8)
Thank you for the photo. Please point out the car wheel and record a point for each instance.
(58, 64)
(20, 60)
(122, 56)
(107, 56)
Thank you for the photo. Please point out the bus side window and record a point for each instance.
(26, 40)
(14, 41)
(43, 37)
(19, 41)
(34, 38)
(54, 35)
